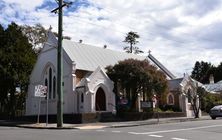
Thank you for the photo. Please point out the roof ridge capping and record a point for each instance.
(101, 48)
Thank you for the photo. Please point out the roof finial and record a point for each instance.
(50, 28)
(105, 46)
(149, 52)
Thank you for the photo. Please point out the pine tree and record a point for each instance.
(131, 38)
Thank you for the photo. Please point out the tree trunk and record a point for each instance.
(195, 110)
(12, 102)
(131, 48)
(133, 100)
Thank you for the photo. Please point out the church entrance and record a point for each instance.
(100, 100)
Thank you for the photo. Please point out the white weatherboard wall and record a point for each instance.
(48, 57)
(97, 79)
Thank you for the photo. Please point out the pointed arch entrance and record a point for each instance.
(100, 100)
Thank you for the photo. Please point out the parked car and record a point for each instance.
(215, 112)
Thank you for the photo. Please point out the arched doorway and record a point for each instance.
(100, 100)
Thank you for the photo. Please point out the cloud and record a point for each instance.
(199, 7)
(24, 4)
(178, 33)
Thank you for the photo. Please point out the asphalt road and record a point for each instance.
(194, 130)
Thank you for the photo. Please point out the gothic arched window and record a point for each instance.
(189, 96)
(46, 84)
(50, 81)
(54, 87)
(82, 98)
(170, 99)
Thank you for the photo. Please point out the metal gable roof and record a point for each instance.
(214, 88)
(161, 66)
(89, 57)
(174, 83)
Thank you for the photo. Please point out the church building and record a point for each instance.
(87, 88)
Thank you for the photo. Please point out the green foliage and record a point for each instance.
(202, 71)
(157, 110)
(218, 73)
(131, 39)
(170, 108)
(17, 59)
(36, 35)
(209, 101)
(137, 77)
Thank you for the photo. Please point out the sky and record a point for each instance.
(177, 32)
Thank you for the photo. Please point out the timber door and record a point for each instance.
(100, 100)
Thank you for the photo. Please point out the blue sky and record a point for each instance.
(178, 32)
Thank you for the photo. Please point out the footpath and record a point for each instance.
(100, 125)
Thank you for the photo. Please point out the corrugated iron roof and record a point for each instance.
(174, 83)
(89, 57)
(162, 67)
(214, 88)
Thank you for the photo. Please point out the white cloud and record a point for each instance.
(24, 4)
(178, 33)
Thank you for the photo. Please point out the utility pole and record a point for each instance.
(60, 83)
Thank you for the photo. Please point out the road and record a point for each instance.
(194, 130)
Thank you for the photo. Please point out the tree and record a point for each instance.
(210, 100)
(131, 38)
(195, 99)
(37, 35)
(137, 77)
(201, 71)
(218, 73)
(194, 93)
(3, 71)
(16, 62)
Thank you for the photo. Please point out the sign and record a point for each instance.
(40, 91)
(123, 101)
(146, 104)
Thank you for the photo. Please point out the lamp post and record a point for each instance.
(60, 83)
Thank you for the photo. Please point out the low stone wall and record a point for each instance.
(103, 117)
(133, 116)
(169, 114)
(67, 118)
(72, 118)
(89, 117)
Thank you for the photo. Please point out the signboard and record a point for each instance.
(40, 91)
(123, 101)
(146, 104)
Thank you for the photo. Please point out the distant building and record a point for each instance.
(179, 90)
(214, 88)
